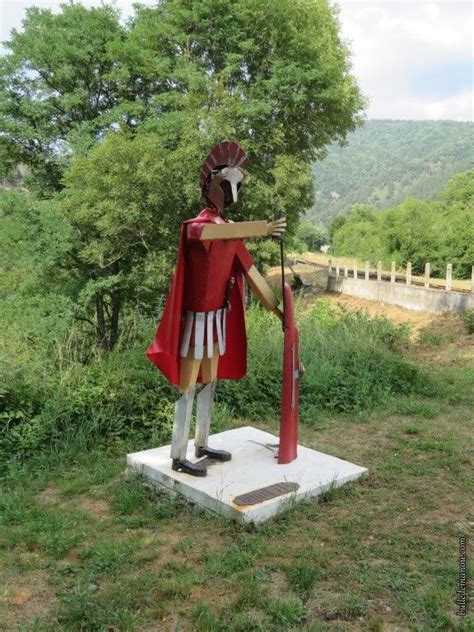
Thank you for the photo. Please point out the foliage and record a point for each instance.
(118, 198)
(58, 84)
(312, 236)
(117, 118)
(274, 75)
(352, 363)
(37, 302)
(385, 162)
(468, 320)
(357, 231)
(439, 232)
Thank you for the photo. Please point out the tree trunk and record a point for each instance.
(101, 328)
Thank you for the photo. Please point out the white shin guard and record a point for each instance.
(205, 400)
(183, 410)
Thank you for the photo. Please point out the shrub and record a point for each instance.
(111, 398)
(467, 318)
(352, 363)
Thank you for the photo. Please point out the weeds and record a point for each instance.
(467, 318)
(352, 364)
(302, 578)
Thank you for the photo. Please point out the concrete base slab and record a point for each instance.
(253, 468)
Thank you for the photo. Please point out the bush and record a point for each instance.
(112, 398)
(352, 363)
(467, 318)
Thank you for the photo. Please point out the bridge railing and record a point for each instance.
(393, 276)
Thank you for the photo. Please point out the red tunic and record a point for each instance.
(200, 282)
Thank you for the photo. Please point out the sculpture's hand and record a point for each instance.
(277, 228)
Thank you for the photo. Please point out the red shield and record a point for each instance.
(290, 390)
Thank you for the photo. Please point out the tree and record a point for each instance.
(119, 198)
(313, 236)
(457, 210)
(336, 223)
(59, 86)
(128, 112)
(69, 77)
(413, 232)
(359, 238)
(439, 232)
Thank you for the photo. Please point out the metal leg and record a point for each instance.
(182, 418)
(203, 417)
(205, 400)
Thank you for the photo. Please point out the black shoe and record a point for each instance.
(217, 455)
(185, 466)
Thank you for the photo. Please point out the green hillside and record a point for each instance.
(385, 162)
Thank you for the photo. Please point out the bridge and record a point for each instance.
(420, 294)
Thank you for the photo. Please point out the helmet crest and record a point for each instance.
(224, 154)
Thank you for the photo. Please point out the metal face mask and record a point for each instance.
(224, 187)
(221, 177)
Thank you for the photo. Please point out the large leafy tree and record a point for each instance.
(59, 83)
(457, 209)
(68, 77)
(134, 108)
(283, 64)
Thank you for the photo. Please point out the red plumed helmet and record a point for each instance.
(225, 154)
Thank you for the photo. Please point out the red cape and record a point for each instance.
(164, 349)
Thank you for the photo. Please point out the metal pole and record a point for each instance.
(282, 264)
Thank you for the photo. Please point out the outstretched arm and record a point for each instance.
(263, 291)
(237, 230)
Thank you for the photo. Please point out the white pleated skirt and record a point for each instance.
(207, 327)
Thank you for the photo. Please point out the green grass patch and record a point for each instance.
(85, 547)
(415, 407)
(302, 577)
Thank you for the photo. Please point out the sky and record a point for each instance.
(413, 59)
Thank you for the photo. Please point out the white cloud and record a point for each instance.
(458, 107)
(393, 42)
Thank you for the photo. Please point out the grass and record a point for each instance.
(84, 547)
(352, 363)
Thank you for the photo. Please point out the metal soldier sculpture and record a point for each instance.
(201, 336)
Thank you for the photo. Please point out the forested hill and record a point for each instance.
(388, 161)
